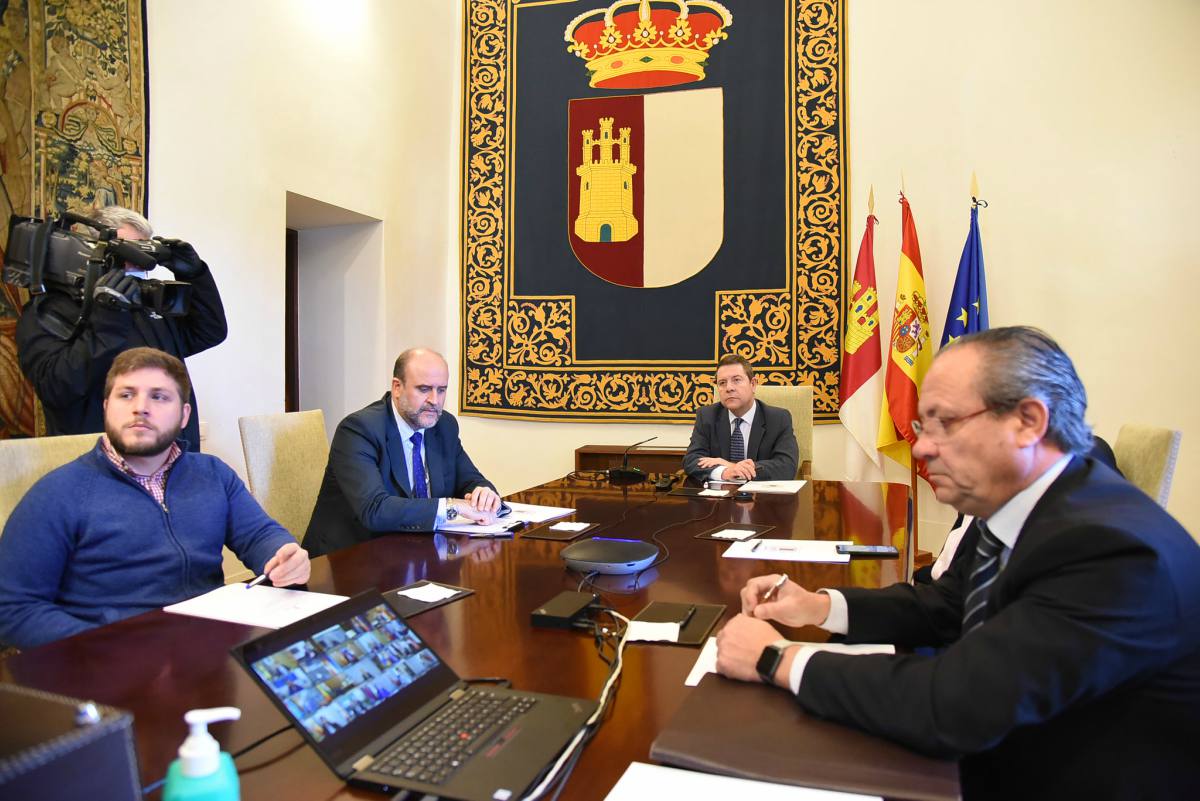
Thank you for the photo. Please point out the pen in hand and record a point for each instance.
(258, 580)
(771, 590)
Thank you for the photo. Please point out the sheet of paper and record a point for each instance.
(641, 781)
(776, 487)
(266, 606)
(521, 514)
(532, 513)
(712, 493)
(789, 550)
(643, 631)
(734, 534)
(567, 525)
(429, 593)
(706, 662)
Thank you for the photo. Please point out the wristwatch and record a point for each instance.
(769, 661)
(451, 511)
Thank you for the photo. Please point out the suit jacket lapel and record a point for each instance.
(433, 463)
(722, 432)
(395, 450)
(756, 431)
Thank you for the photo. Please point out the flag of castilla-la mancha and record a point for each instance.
(911, 351)
(861, 388)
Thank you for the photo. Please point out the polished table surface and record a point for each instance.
(159, 665)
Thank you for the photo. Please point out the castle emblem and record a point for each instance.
(606, 187)
(863, 318)
(661, 43)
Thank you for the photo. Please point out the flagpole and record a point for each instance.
(912, 479)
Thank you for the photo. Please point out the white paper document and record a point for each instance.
(789, 550)
(706, 662)
(429, 593)
(645, 631)
(776, 487)
(269, 607)
(522, 514)
(734, 534)
(641, 781)
(714, 493)
(567, 525)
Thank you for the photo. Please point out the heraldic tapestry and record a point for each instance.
(647, 186)
(72, 136)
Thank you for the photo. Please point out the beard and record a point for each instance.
(142, 447)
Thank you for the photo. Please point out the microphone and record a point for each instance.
(626, 474)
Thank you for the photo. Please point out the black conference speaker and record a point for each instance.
(56, 748)
(605, 555)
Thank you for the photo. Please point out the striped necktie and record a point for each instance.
(983, 573)
(737, 445)
(419, 483)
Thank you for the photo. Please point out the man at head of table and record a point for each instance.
(741, 438)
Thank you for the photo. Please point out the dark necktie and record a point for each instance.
(420, 485)
(737, 445)
(983, 572)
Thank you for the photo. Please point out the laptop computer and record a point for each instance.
(385, 712)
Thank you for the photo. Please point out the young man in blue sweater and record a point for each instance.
(135, 524)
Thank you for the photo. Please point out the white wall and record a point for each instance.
(330, 100)
(1081, 118)
(341, 314)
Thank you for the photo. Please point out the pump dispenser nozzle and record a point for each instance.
(199, 754)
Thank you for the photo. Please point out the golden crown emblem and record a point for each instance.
(662, 43)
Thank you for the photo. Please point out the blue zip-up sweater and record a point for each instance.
(87, 545)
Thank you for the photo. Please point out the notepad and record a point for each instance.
(641, 781)
(789, 550)
(774, 487)
(263, 605)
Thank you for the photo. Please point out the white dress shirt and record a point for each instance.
(747, 421)
(406, 432)
(1005, 524)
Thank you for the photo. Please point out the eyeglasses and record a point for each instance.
(940, 427)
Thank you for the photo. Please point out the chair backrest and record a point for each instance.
(24, 461)
(285, 462)
(1146, 455)
(798, 400)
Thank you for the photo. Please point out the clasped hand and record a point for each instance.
(743, 470)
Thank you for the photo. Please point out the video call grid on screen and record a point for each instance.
(346, 670)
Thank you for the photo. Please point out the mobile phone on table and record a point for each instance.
(870, 551)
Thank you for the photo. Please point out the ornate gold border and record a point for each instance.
(518, 352)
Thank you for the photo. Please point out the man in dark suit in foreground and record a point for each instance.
(740, 438)
(1071, 636)
(398, 465)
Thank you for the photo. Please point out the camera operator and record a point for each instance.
(68, 375)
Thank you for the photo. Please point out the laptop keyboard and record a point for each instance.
(437, 748)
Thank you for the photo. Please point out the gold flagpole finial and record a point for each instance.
(974, 185)
(902, 192)
(871, 201)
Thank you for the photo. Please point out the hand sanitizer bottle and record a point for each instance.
(203, 771)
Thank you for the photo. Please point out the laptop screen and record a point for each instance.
(347, 675)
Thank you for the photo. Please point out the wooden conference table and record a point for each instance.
(159, 665)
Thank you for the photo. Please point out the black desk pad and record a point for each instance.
(545, 533)
(410, 607)
(758, 528)
(698, 626)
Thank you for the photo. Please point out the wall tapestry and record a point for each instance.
(647, 186)
(72, 136)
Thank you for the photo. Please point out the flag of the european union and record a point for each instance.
(968, 311)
